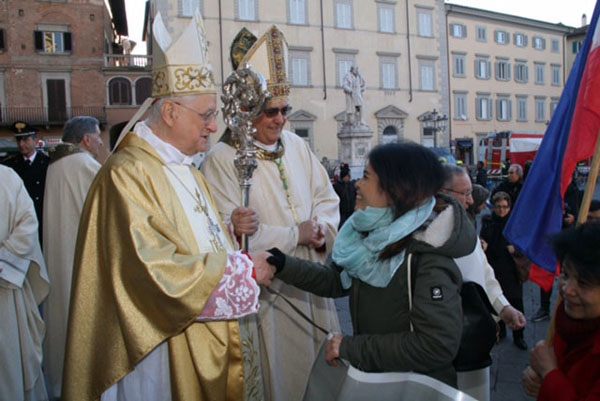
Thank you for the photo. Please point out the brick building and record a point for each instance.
(63, 58)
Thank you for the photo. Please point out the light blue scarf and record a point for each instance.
(357, 254)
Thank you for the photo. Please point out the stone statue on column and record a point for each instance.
(354, 86)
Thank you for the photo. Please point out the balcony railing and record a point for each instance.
(48, 116)
(127, 61)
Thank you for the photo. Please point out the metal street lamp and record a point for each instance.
(434, 122)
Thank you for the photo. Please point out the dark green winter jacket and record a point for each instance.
(383, 340)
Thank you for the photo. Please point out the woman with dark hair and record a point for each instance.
(394, 257)
(500, 255)
(480, 195)
(569, 370)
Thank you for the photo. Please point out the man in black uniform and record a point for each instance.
(344, 187)
(30, 165)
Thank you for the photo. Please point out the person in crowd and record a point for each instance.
(161, 300)
(480, 196)
(568, 369)
(72, 169)
(23, 286)
(513, 185)
(501, 256)
(394, 257)
(594, 212)
(481, 178)
(475, 268)
(345, 189)
(31, 165)
(299, 214)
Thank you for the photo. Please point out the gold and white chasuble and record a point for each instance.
(289, 344)
(159, 293)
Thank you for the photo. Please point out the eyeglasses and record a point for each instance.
(273, 111)
(501, 207)
(466, 194)
(207, 117)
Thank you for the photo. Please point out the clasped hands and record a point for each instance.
(311, 233)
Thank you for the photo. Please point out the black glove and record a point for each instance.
(277, 260)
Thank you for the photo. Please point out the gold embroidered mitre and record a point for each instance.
(269, 56)
(181, 66)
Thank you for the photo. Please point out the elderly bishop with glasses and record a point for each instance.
(298, 211)
(163, 307)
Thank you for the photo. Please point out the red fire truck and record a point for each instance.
(519, 147)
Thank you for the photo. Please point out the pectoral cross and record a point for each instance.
(213, 227)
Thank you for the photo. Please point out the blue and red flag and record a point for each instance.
(571, 137)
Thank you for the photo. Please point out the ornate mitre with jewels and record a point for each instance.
(268, 55)
(181, 66)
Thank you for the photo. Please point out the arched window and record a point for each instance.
(119, 91)
(390, 131)
(143, 89)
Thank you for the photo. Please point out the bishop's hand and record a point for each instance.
(244, 220)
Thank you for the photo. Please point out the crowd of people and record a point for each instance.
(143, 293)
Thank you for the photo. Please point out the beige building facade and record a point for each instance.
(506, 74)
(399, 47)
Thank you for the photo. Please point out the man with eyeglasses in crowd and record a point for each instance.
(475, 267)
(513, 185)
(298, 212)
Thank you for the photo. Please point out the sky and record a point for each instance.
(566, 11)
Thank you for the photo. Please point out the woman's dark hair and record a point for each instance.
(498, 196)
(480, 195)
(579, 246)
(409, 173)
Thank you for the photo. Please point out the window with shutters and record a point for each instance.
(483, 105)
(343, 63)
(53, 42)
(189, 7)
(539, 43)
(460, 106)
(539, 73)
(521, 108)
(388, 73)
(556, 81)
(540, 109)
(386, 19)
(482, 68)
(299, 68)
(343, 14)
(246, 10)
(555, 46)
(502, 70)
(459, 65)
(520, 39)
(502, 37)
(427, 75)
(425, 22)
(297, 12)
(119, 91)
(143, 89)
(481, 34)
(521, 72)
(503, 109)
(458, 30)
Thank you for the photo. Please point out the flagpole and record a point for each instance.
(591, 185)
